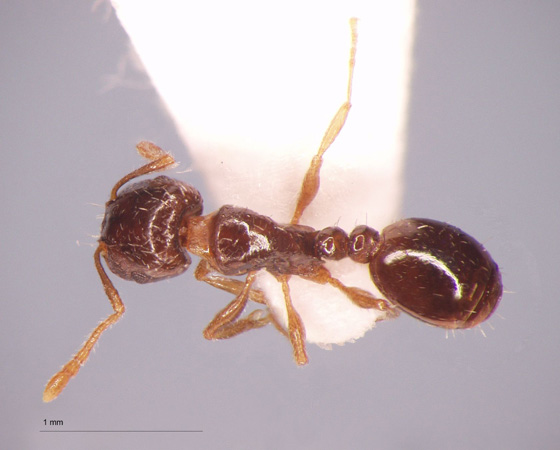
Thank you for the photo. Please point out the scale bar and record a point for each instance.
(120, 431)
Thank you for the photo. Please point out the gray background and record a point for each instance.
(483, 152)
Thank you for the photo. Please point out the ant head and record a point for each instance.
(141, 229)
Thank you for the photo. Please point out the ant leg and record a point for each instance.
(359, 297)
(296, 330)
(225, 324)
(310, 184)
(59, 381)
(160, 160)
(204, 272)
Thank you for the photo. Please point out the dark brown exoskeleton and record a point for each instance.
(429, 269)
(145, 246)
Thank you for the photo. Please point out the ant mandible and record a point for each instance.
(429, 269)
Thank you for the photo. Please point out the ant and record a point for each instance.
(429, 269)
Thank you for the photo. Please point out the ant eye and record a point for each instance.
(437, 273)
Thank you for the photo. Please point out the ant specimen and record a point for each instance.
(429, 269)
